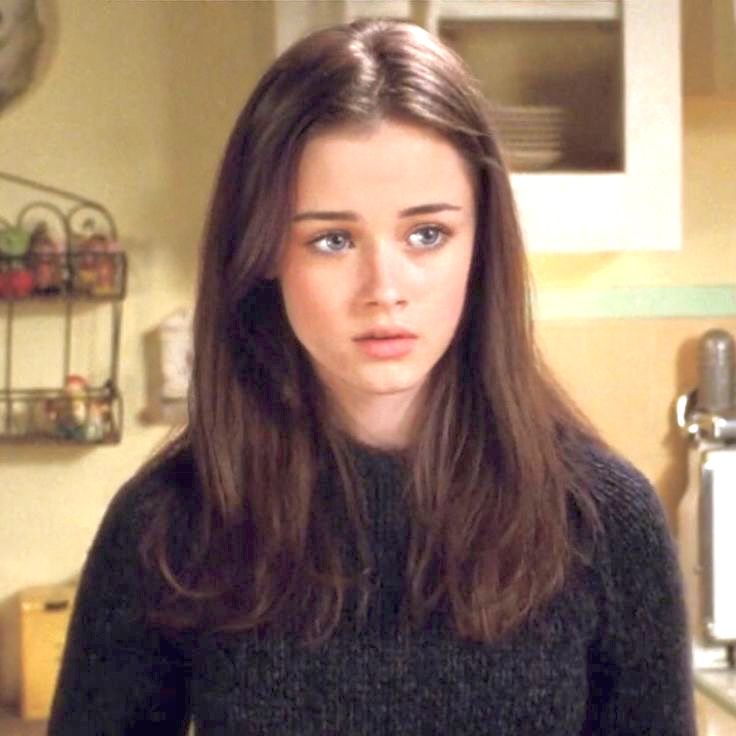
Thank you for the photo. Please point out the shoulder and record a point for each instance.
(116, 578)
(625, 499)
(169, 475)
(642, 642)
(165, 488)
(635, 550)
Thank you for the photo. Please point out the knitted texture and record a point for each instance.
(609, 655)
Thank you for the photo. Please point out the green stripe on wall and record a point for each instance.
(636, 301)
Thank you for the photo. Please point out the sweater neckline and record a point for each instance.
(370, 459)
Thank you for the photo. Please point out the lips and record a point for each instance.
(385, 343)
(385, 333)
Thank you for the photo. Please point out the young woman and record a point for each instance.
(383, 516)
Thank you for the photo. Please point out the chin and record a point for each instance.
(391, 389)
(394, 382)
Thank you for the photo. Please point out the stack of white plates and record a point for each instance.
(532, 136)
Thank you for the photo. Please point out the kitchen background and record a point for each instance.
(131, 107)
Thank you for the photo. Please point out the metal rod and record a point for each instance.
(115, 340)
(8, 345)
(67, 340)
(31, 184)
(8, 363)
(28, 394)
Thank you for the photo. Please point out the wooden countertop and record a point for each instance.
(713, 720)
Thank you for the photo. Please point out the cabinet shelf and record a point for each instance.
(63, 276)
(55, 416)
(57, 255)
(620, 166)
(59, 299)
(533, 10)
(618, 184)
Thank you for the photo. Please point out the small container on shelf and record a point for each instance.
(83, 414)
(71, 411)
(16, 279)
(14, 242)
(47, 262)
(78, 414)
(15, 417)
(99, 422)
(169, 355)
(97, 266)
(45, 416)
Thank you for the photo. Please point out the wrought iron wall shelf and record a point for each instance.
(63, 252)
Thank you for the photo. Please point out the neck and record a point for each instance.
(385, 421)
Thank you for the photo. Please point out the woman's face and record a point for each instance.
(376, 261)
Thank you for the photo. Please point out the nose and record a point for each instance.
(383, 275)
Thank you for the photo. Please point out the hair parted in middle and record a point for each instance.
(492, 476)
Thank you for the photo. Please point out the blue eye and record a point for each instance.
(332, 242)
(428, 237)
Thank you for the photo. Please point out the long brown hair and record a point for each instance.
(491, 473)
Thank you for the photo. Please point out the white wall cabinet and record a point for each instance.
(630, 202)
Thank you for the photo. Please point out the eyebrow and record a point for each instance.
(421, 209)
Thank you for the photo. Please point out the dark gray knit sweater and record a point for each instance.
(609, 655)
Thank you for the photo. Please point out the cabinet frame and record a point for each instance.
(636, 209)
(639, 208)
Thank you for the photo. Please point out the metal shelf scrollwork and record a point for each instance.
(62, 249)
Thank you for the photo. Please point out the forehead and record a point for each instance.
(354, 165)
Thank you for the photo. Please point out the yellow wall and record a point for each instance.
(626, 374)
(126, 112)
(708, 255)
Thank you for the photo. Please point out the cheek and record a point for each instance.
(451, 310)
(309, 303)
(449, 290)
